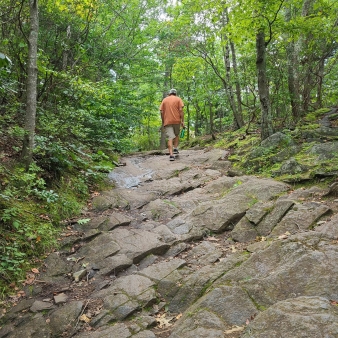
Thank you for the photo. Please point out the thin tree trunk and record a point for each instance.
(211, 119)
(163, 141)
(66, 50)
(263, 89)
(229, 91)
(187, 120)
(32, 74)
(236, 108)
(320, 77)
(308, 71)
(293, 72)
(238, 86)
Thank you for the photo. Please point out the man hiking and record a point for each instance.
(172, 118)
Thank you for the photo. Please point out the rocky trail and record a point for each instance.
(189, 249)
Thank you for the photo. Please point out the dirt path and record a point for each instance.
(180, 249)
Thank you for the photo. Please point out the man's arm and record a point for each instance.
(182, 116)
(161, 111)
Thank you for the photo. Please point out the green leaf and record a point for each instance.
(83, 221)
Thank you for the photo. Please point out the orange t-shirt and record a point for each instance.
(170, 110)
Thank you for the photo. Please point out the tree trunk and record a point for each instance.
(228, 88)
(320, 77)
(32, 74)
(292, 54)
(263, 89)
(211, 118)
(238, 86)
(187, 119)
(236, 108)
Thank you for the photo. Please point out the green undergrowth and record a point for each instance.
(33, 208)
(250, 156)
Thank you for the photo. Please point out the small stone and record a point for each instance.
(60, 298)
(79, 274)
(40, 306)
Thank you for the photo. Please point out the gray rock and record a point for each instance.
(60, 298)
(303, 193)
(201, 324)
(175, 250)
(119, 330)
(276, 214)
(101, 203)
(310, 317)
(56, 266)
(294, 267)
(230, 303)
(38, 306)
(127, 294)
(300, 217)
(291, 167)
(203, 319)
(114, 264)
(126, 309)
(144, 334)
(64, 318)
(244, 231)
(183, 292)
(325, 151)
(203, 254)
(277, 139)
(330, 228)
(25, 304)
(98, 249)
(179, 226)
(165, 234)
(36, 327)
(160, 270)
(115, 220)
(258, 211)
(78, 275)
(285, 154)
(137, 244)
(160, 210)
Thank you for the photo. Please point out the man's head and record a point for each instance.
(172, 91)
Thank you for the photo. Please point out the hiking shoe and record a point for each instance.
(175, 151)
(171, 158)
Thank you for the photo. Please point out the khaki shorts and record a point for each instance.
(172, 131)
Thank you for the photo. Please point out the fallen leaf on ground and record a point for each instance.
(34, 270)
(163, 321)
(213, 239)
(179, 316)
(84, 318)
(234, 329)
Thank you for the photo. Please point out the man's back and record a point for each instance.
(171, 107)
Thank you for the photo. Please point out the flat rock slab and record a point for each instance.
(102, 246)
(293, 267)
(116, 219)
(204, 253)
(118, 330)
(32, 328)
(310, 317)
(158, 271)
(137, 244)
(222, 307)
(300, 217)
(64, 318)
(127, 294)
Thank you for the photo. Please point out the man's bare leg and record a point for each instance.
(176, 139)
(170, 147)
